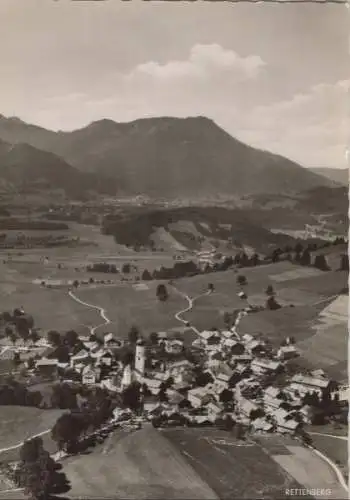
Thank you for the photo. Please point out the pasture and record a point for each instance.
(21, 422)
(142, 464)
(52, 309)
(299, 286)
(233, 469)
(127, 305)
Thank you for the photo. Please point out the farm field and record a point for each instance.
(127, 305)
(228, 465)
(52, 309)
(142, 464)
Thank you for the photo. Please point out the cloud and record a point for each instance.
(203, 62)
(312, 127)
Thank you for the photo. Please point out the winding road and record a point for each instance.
(101, 310)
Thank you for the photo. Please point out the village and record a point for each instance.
(236, 382)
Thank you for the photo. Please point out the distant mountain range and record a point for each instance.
(339, 175)
(159, 157)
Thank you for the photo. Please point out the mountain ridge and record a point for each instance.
(167, 156)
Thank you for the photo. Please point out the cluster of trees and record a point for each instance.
(179, 270)
(323, 406)
(72, 428)
(15, 393)
(12, 223)
(102, 267)
(162, 292)
(37, 473)
(19, 325)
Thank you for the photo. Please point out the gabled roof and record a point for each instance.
(272, 392)
(46, 362)
(319, 383)
(83, 353)
(207, 334)
(268, 364)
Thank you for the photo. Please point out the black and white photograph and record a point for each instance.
(174, 250)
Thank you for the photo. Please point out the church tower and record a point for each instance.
(140, 357)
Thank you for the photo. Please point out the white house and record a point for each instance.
(198, 396)
(90, 375)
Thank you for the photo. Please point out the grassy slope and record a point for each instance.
(140, 465)
(233, 470)
(126, 306)
(20, 422)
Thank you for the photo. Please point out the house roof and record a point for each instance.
(46, 362)
(207, 334)
(310, 381)
(268, 364)
(288, 424)
(247, 337)
(272, 392)
(81, 354)
(108, 337)
(247, 406)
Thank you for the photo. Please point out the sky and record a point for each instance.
(275, 76)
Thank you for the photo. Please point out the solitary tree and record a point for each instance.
(321, 263)
(344, 262)
(71, 338)
(146, 275)
(270, 291)
(66, 431)
(305, 259)
(272, 304)
(153, 338)
(241, 280)
(133, 334)
(162, 292)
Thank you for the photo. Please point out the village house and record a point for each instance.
(214, 359)
(261, 424)
(255, 347)
(305, 383)
(234, 347)
(261, 366)
(199, 396)
(152, 384)
(176, 368)
(111, 342)
(247, 407)
(82, 357)
(174, 397)
(215, 410)
(210, 338)
(47, 366)
(287, 352)
(174, 346)
(90, 375)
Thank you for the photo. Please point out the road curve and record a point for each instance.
(335, 468)
(18, 445)
(343, 438)
(189, 307)
(101, 310)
